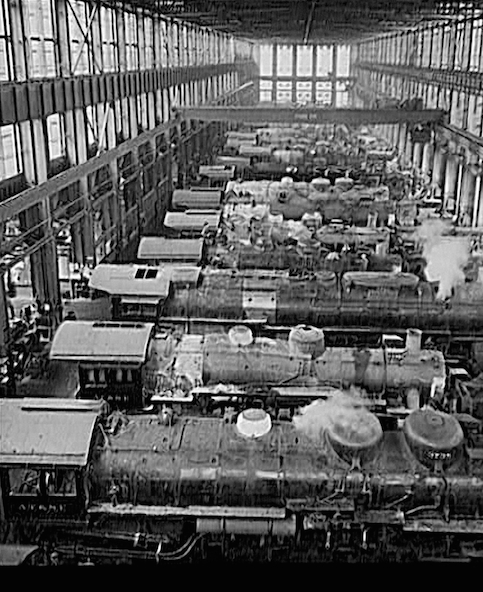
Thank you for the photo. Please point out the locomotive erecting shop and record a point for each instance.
(241, 282)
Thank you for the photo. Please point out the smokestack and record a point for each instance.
(480, 274)
(413, 340)
(372, 220)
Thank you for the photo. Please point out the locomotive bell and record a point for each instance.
(253, 423)
(306, 340)
(240, 335)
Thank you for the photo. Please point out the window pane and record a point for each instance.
(324, 60)
(4, 75)
(343, 60)
(55, 136)
(266, 62)
(284, 60)
(304, 60)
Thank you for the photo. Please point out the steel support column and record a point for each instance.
(439, 166)
(450, 182)
(467, 199)
(417, 155)
(428, 158)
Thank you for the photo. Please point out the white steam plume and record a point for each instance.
(320, 415)
(445, 255)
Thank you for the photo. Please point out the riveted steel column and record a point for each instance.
(274, 72)
(478, 213)
(427, 158)
(439, 165)
(63, 46)
(44, 270)
(450, 182)
(122, 67)
(417, 155)
(467, 198)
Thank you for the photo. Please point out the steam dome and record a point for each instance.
(253, 423)
(344, 183)
(320, 182)
(353, 430)
(433, 435)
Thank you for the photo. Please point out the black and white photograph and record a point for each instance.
(241, 283)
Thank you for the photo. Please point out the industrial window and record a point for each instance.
(343, 60)
(476, 44)
(173, 45)
(265, 96)
(193, 53)
(143, 111)
(146, 274)
(447, 46)
(163, 41)
(131, 40)
(304, 91)
(79, 50)
(10, 163)
(341, 99)
(304, 60)
(188, 46)
(323, 93)
(108, 36)
(91, 125)
(182, 45)
(456, 113)
(474, 115)
(231, 49)
(213, 47)
(324, 60)
(55, 135)
(149, 42)
(284, 60)
(265, 60)
(41, 34)
(284, 96)
(5, 43)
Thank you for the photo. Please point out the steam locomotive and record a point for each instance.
(364, 299)
(335, 483)
(132, 367)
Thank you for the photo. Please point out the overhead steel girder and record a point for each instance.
(454, 79)
(271, 114)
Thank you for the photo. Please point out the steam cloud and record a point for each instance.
(445, 255)
(343, 408)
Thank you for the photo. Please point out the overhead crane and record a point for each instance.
(313, 114)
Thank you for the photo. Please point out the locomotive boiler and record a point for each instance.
(335, 483)
(389, 300)
(218, 370)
